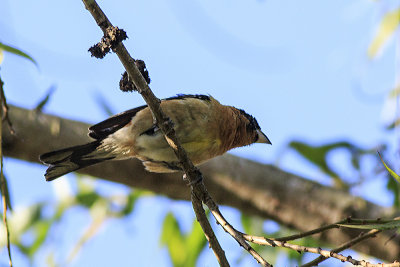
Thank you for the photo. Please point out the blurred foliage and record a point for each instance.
(184, 248)
(389, 23)
(4, 190)
(17, 52)
(393, 96)
(390, 171)
(318, 156)
(394, 187)
(103, 103)
(39, 107)
(32, 224)
(393, 183)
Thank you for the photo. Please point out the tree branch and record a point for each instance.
(324, 253)
(163, 122)
(251, 187)
(113, 37)
(363, 236)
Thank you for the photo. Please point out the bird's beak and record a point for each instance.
(262, 138)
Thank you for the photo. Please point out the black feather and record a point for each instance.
(183, 96)
(111, 125)
(253, 122)
(70, 159)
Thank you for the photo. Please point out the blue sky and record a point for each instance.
(301, 68)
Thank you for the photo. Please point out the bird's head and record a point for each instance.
(253, 133)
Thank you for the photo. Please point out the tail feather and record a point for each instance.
(70, 159)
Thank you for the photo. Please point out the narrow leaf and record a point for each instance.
(394, 187)
(172, 237)
(386, 29)
(1, 56)
(104, 104)
(384, 226)
(87, 199)
(45, 100)
(196, 241)
(18, 52)
(392, 173)
(6, 193)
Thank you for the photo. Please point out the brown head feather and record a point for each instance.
(237, 128)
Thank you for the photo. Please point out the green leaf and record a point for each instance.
(390, 171)
(318, 156)
(104, 104)
(315, 154)
(18, 52)
(196, 241)
(383, 226)
(394, 187)
(395, 92)
(127, 209)
(172, 237)
(246, 222)
(253, 225)
(45, 100)
(87, 199)
(6, 193)
(41, 229)
(393, 124)
(386, 29)
(184, 249)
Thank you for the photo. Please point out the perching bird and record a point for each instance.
(205, 128)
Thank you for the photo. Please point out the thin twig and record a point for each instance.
(2, 178)
(200, 190)
(205, 225)
(308, 233)
(325, 253)
(348, 220)
(361, 237)
(237, 236)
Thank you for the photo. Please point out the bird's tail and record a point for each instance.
(70, 159)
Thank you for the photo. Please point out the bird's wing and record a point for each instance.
(102, 129)
(116, 122)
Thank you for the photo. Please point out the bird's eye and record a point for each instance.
(250, 127)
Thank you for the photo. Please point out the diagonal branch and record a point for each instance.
(193, 175)
(370, 234)
(324, 253)
(161, 120)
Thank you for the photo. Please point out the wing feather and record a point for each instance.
(111, 125)
(102, 129)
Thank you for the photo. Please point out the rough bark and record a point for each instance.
(251, 187)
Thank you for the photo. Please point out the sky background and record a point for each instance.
(300, 67)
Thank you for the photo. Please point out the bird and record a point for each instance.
(205, 128)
